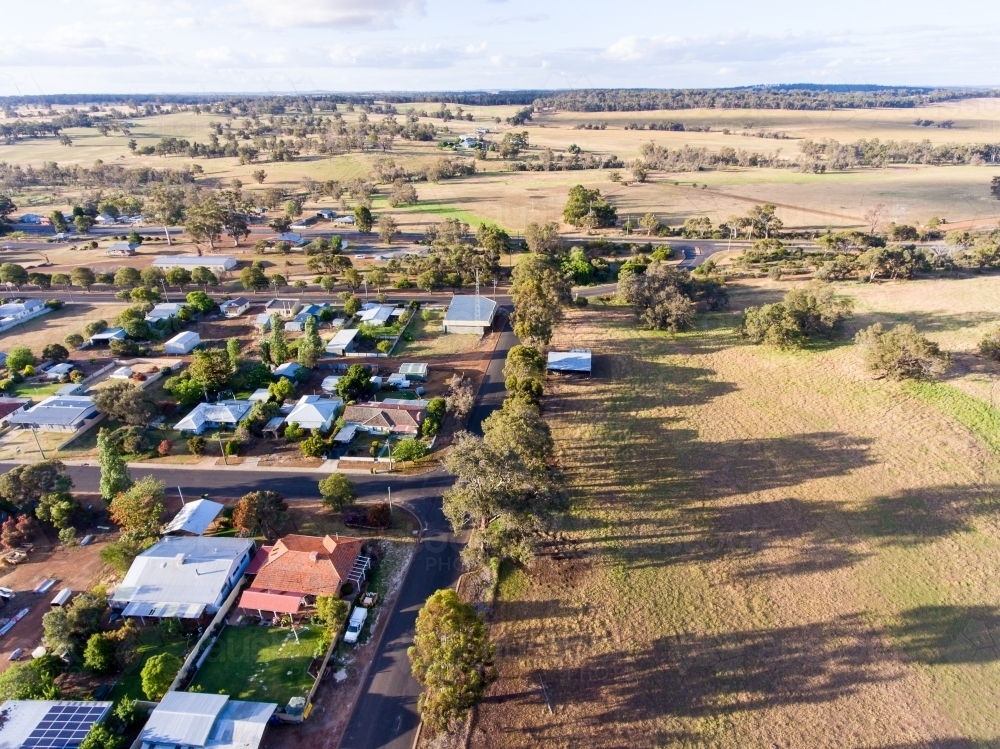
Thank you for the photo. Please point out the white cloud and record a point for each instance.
(365, 14)
(724, 48)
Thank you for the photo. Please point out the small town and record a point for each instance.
(407, 375)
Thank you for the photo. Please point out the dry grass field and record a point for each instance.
(766, 549)
(912, 193)
(53, 327)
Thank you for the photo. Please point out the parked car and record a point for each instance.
(354, 626)
(16, 654)
(6, 593)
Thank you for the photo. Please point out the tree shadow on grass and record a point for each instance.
(715, 674)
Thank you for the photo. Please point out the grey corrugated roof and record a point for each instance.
(182, 569)
(57, 410)
(240, 725)
(194, 517)
(463, 309)
(183, 719)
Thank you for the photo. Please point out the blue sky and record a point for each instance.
(136, 46)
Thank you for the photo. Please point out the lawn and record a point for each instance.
(151, 643)
(35, 390)
(265, 664)
(765, 548)
(430, 340)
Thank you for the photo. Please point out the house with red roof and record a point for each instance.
(288, 576)
(385, 418)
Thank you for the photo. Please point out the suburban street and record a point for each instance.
(386, 713)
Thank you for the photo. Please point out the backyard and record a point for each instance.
(806, 557)
(430, 340)
(152, 641)
(266, 664)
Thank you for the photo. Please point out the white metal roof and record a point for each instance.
(240, 725)
(574, 360)
(56, 410)
(260, 394)
(183, 719)
(289, 368)
(314, 412)
(225, 262)
(108, 335)
(184, 338)
(182, 569)
(194, 517)
(223, 412)
(329, 384)
(463, 309)
(342, 338)
(376, 313)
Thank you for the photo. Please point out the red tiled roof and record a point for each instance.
(8, 407)
(395, 418)
(315, 566)
(258, 561)
(265, 600)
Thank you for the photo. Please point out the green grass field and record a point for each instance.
(263, 664)
(130, 682)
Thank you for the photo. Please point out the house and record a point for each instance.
(327, 214)
(58, 370)
(295, 240)
(190, 720)
(329, 384)
(468, 141)
(183, 577)
(164, 311)
(215, 263)
(343, 342)
(213, 415)
(315, 412)
(376, 314)
(9, 406)
(344, 220)
(298, 323)
(103, 219)
(121, 249)
(109, 335)
(290, 369)
(182, 343)
(414, 371)
(284, 308)
(262, 322)
(574, 361)
(235, 307)
(298, 568)
(380, 418)
(469, 313)
(58, 414)
(32, 218)
(194, 518)
(20, 311)
(56, 724)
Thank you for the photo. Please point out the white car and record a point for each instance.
(6, 593)
(359, 257)
(354, 626)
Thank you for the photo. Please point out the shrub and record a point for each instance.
(164, 447)
(379, 515)
(54, 303)
(293, 432)
(384, 346)
(196, 445)
(901, 353)
(232, 447)
(99, 655)
(28, 371)
(73, 340)
(990, 346)
(76, 376)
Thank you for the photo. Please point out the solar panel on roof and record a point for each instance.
(64, 726)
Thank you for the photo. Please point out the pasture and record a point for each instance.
(765, 548)
(912, 193)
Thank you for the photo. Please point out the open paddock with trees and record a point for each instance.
(778, 536)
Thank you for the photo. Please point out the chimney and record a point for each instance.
(313, 557)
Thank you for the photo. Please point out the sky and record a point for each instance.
(282, 46)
